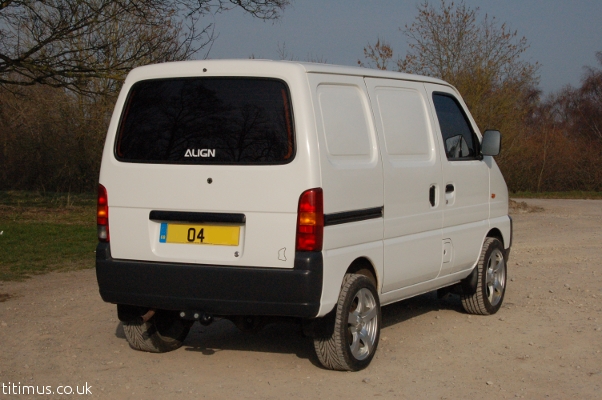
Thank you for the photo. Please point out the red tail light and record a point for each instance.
(102, 214)
(310, 221)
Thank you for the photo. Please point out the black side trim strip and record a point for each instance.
(353, 216)
(183, 216)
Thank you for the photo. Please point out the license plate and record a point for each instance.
(199, 234)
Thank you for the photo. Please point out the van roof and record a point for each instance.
(366, 72)
(250, 67)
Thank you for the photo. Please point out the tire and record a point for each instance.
(164, 332)
(491, 280)
(354, 340)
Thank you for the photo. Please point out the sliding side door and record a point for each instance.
(413, 213)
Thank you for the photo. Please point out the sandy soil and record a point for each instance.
(546, 341)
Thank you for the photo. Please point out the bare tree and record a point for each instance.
(561, 147)
(64, 43)
(378, 55)
(482, 58)
(586, 106)
(284, 54)
(451, 40)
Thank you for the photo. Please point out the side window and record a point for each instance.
(458, 137)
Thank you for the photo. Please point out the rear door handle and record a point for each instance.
(432, 194)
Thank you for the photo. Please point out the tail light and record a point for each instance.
(102, 214)
(310, 221)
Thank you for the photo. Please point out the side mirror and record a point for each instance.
(492, 143)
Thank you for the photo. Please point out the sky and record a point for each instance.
(563, 35)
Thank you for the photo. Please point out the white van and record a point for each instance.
(257, 189)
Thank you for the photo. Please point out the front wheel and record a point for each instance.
(491, 280)
(354, 340)
(161, 333)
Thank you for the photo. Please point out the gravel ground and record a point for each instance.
(545, 342)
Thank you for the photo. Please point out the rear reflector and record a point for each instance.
(310, 221)
(102, 214)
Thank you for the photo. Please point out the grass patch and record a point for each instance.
(50, 200)
(45, 232)
(557, 195)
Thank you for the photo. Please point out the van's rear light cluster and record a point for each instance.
(102, 214)
(310, 221)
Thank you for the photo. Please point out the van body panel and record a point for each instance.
(138, 239)
(351, 234)
(345, 168)
(466, 188)
(498, 204)
(336, 264)
(351, 173)
(504, 225)
(423, 287)
(458, 235)
(413, 215)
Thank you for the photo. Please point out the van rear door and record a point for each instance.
(199, 172)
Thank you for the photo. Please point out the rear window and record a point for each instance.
(207, 121)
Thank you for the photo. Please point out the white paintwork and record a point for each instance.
(423, 287)
(368, 138)
(336, 263)
(412, 226)
(498, 205)
(466, 209)
(350, 181)
(345, 123)
(265, 194)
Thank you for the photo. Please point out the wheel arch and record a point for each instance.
(324, 326)
(468, 285)
(497, 234)
(363, 266)
(485, 295)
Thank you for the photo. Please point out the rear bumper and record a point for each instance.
(214, 289)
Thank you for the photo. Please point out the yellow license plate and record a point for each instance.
(199, 234)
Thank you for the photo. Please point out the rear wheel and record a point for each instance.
(491, 280)
(162, 332)
(354, 340)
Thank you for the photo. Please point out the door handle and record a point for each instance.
(449, 188)
(432, 193)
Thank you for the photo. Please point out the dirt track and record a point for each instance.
(546, 341)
